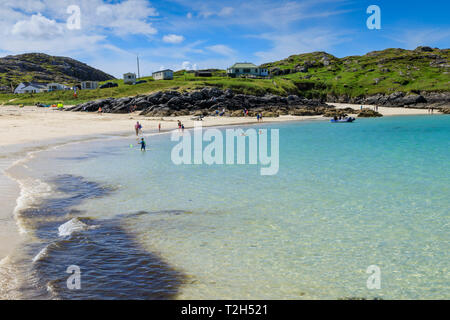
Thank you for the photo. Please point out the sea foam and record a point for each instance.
(73, 225)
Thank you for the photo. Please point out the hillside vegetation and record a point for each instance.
(41, 67)
(312, 75)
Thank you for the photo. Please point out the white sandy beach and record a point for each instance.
(384, 110)
(31, 124)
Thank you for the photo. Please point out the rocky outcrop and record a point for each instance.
(205, 101)
(368, 113)
(400, 99)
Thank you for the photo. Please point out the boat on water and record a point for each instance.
(349, 119)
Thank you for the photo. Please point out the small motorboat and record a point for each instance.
(349, 119)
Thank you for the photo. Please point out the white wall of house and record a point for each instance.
(55, 86)
(34, 89)
(247, 69)
(30, 88)
(89, 85)
(129, 78)
(163, 75)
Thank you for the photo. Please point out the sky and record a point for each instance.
(199, 34)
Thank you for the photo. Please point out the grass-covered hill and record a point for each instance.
(421, 70)
(40, 67)
(312, 75)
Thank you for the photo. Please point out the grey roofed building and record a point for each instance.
(246, 69)
(31, 87)
(166, 74)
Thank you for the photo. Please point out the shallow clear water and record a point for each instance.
(347, 196)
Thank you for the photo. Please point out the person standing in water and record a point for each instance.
(143, 144)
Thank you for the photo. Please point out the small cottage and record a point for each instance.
(31, 87)
(163, 75)
(56, 86)
(246, 69)
(89, 85)
(203, 73)
(129, 78)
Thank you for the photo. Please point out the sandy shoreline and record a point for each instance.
(28, 128)
(32, 124)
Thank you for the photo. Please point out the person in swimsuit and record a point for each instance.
(143, 144)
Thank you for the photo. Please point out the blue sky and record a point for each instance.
(214, 34)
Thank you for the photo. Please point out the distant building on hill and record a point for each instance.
(56, 86)
(129, 78)
(31, 87)
(163, 75)
(89, 85)
(203, 73)
(246, 69)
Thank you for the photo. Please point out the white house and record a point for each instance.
(56, 86)
(129, 78)
(31, 87)
(89, 85)
(163, 75)
(246, 69)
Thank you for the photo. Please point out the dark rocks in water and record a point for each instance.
(368, 113)
(205, 101)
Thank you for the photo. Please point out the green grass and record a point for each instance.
(396, 69)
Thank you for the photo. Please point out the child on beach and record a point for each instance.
(143, 144)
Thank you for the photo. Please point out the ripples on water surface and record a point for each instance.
(347, 196)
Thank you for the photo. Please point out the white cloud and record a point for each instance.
(187, 65)
(173, 38)
(37, 26)
(222, 49)
(225, 11)
(129, 17)
(189, 15)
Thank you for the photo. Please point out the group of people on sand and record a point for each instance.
(430, 110)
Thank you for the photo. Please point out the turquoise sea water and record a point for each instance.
(347, 196)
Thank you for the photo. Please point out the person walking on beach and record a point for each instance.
(138, 128)
(100, 110)
(159, 127)
(257, 117)
(179, 125)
